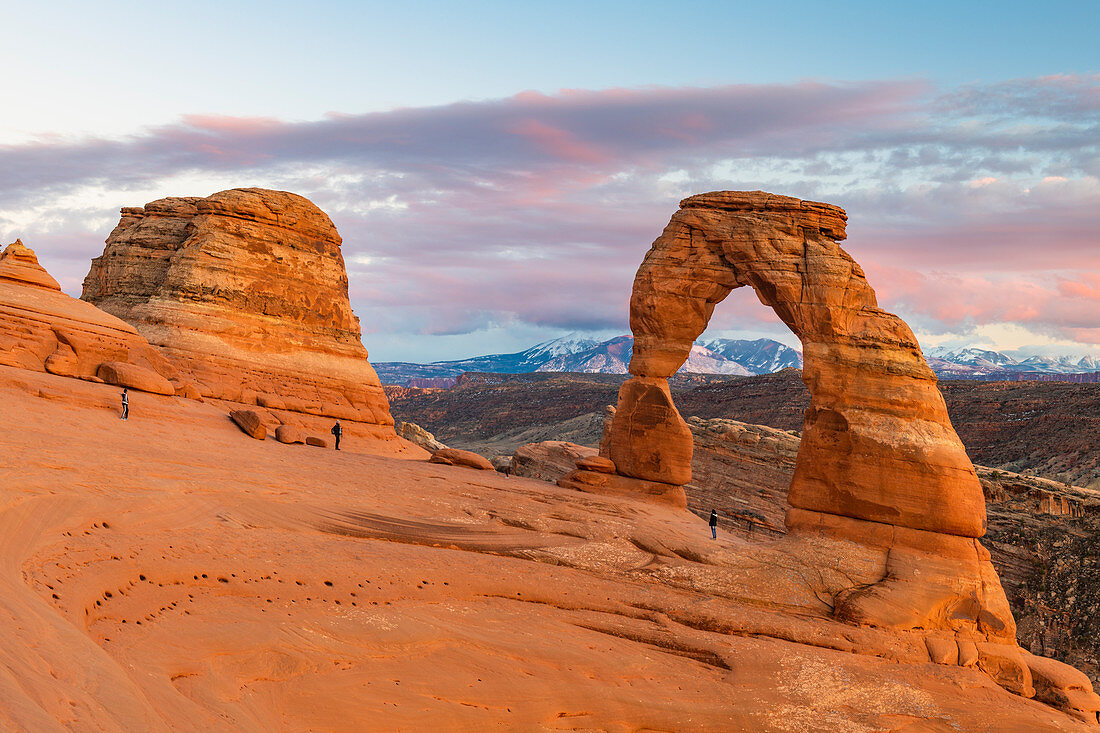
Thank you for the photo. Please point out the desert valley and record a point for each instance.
(211, 562)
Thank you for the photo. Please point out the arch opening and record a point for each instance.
(877, 442)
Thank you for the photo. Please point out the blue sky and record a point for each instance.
(473, 155)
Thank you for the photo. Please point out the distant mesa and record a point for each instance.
(245, 291)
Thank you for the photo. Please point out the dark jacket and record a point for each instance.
(713, 518)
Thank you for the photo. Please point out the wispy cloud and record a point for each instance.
(536, 209)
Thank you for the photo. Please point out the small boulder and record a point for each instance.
(548, 460)
(318, 441)
(289, 434)
(249, 422)
(942, 650)
(458, 457)
(968, 653)
(1005, 664)
(62, 362)
(189, 391)
(413, 433)
(1060, 685)
(133, 376)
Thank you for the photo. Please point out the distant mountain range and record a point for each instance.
(971, 362)
(741, 357)
(613, 357)
(577, 354)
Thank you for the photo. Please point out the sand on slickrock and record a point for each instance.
(170, 573)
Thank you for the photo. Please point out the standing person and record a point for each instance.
(337, 431)
(125, 404)
(714, 524)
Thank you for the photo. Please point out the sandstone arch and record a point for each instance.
(881, 473)
(878, 444)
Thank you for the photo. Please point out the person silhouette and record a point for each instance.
(714, 524)
(337, 431)
(125, 404)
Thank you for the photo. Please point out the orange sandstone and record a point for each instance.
(43, 329)
(171, 573)
(246, 292)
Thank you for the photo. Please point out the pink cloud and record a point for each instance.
(557, 142)
(978, 205)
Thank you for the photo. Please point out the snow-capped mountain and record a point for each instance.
(971, 356)
(758, 356)
(613, 357)
(702, 360)
(571, 344)
(976, 362)
(577, 353)
(528, 360)
(610, 357)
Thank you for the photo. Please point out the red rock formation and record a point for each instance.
(548, 460)
(250, 423)
(134, 377)
(880, 474)
(18, 264)
(283, 589)
(246, 292)
(878, 444)
(43, 329)
(289, 434)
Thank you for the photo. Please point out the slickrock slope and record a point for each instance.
(880, 471)
(246, 292)
(1041, 537)
(171, 573)
(43, 329)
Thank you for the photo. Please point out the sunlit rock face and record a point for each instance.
(246, 292)
(877, 444)
(43, 329)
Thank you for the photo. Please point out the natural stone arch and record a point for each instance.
(877, 442)
(885, 507)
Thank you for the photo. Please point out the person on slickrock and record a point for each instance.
(337, 431)
(714, 524)
(125, 405)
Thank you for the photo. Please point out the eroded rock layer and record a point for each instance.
(43, 329)
(246, 292)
